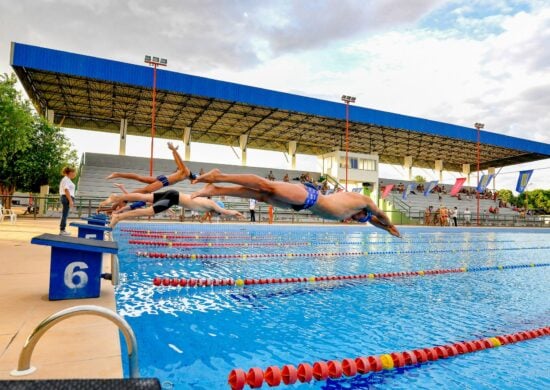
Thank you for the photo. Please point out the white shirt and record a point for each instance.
(66, 183)
(252, 204)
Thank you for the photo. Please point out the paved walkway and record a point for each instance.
(79, 347)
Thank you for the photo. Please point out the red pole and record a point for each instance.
(153, 113)
(347, 142)
(478, 158)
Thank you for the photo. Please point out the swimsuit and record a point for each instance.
(137, 205)
(312, 195)
(164, 180)
(367, 217)
(164, 200)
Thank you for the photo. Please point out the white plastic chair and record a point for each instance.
(7, 213)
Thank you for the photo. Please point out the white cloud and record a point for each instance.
(478, 65)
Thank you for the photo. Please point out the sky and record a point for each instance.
(455, 61)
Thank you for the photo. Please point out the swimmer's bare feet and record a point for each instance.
(208, 177)
(113, 175)
(111, 199)
(114, 220)
(207, 190)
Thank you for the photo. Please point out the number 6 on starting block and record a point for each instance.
(75, 265)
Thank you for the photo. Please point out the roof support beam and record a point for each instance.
(292, 145)
(243, 141)
(123, 135)
(439, 169)
(407, 164)
(187, 143)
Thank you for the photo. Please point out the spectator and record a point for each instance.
(427, 215)
(270, 176)
(286, 178)
(66, 192)
(467, 216)
(252, 208)
(454, 215)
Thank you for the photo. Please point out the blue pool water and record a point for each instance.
(191, 338)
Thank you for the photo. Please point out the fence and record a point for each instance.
(86, 206)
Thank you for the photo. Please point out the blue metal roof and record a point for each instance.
(56, 61)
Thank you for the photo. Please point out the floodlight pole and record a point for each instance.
(347, 99)
(478, 126)
(154, 62)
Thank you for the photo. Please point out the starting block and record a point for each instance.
(75, 265)
(97, 219)
(91, 231)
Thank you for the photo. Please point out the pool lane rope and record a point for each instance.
(214, 244)
(349, 367)
(192, 256)
(192, 282)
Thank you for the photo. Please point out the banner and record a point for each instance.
(484, 182)
(523, 179)
(387, 190)
(408, 188)
(458, 185)
(429, 187)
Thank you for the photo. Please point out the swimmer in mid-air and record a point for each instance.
(156, 183)
(162, 201)
(339, 206)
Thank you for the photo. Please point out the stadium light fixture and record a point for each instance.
(154, 62)
(347, 99)
(478, 126)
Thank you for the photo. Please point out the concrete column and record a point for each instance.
(187, 143)
(50, 115)
(439, 168)
(123, 135)
(491, 171)
(292, 153)
(407, 164)
(44, 191)
(466, 172)
(243, 141)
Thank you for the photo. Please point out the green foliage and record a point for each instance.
(15, 127)
(32, 152)
(533, 200)
(506, 196)
(419, 179)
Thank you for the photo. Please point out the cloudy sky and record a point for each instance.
(456, 61)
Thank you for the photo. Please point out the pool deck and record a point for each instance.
(80, 347)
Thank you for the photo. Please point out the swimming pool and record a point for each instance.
(192, 337)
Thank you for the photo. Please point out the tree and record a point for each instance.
(506, 196)
(419, 179)
(15, 128)
(32, 152)
(48, 157)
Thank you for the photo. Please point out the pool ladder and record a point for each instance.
(24, 363)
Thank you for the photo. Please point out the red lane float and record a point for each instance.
(322, 370)
(175, 282)
(212, 244)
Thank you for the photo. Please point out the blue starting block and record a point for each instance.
(75, 265)
(97, 219)
(90, 231)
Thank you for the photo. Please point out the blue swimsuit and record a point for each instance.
(164, 180)
(312, 195)
(367, 217)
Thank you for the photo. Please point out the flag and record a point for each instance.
(408, 189)
(387, 190)
(458, 185)
(484, 182)
(523, 179)
(429, 187)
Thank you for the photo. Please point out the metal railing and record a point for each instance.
(24, 363)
